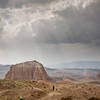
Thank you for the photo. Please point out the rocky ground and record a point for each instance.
(42, 90)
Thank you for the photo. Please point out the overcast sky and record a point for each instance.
(50, 31)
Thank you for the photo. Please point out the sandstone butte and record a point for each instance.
(31, 70)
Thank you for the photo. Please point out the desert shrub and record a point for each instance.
(66, 98)
(85, 94)
(9, 98)
(90, 89)
(6, 98)
(94, 98)
(21, 98)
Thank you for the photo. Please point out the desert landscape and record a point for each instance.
(43, 90)
(30, 81)
(49, 49)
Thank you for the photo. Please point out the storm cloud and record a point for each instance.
(20, 3)
(35, 29)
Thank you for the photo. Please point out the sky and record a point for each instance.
(49, 31)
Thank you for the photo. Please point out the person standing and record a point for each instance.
(53, 87)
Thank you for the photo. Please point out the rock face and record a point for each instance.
(31, 70)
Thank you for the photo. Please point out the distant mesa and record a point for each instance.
(98, 75)
(31, 70)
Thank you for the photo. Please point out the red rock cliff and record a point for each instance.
(31, 70)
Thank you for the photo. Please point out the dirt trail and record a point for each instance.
(49, 95)
(2, 91)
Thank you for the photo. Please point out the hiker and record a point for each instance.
(53, 87)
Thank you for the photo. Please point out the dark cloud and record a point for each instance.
(3, 3)
(77, 26)
(65, 37)
(20, 3)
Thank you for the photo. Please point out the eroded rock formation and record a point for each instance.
(31, 70)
